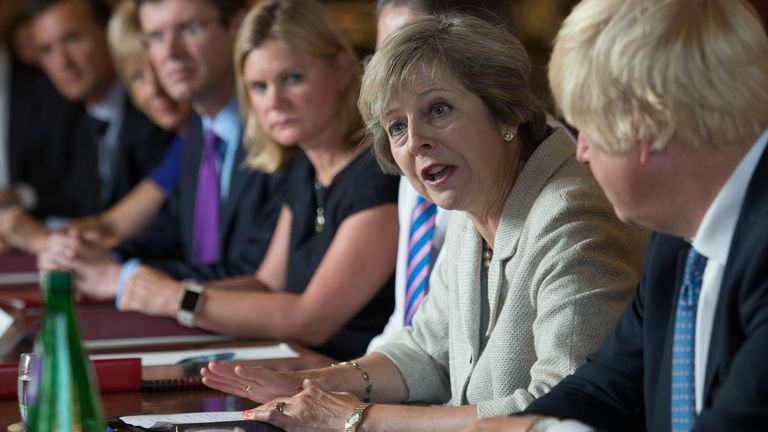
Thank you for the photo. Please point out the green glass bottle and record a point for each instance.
(63, 396)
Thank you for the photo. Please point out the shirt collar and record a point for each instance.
(714, 236)
(110, 107)
(226, 124)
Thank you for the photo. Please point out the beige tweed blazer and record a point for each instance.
(563, 270)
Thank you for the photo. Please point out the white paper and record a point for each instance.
(105, 344)
(6, 321)
(17, 278)
(172, 357)
(150, 421)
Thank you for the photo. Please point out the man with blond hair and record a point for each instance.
(671, 98)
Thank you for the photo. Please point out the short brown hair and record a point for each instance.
(496, 12)
(487, 61)
(228, 9)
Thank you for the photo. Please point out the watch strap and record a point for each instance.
(355, 419)
(190, 302)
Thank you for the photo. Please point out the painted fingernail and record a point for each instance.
(248, 413)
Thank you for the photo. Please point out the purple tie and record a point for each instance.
(206, 243)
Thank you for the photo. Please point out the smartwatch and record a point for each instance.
(190, 303)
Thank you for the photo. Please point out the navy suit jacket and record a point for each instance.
(248, 218)
(626, 385)
(141, 146)
(39, 146)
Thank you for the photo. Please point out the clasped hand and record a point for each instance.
(291, 401)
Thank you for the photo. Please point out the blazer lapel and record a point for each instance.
(238, 180)
(193, 151)
(662, 411)
(551, 154)
(468, 275)
(751, 219)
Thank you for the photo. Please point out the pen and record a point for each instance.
(208, 358)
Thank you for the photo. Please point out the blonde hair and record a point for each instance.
(124, 35)
(695, 71)
(484, 59)
(306, 27)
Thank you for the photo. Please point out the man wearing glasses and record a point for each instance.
(219, 221)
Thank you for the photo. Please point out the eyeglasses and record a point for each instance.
(186, 32)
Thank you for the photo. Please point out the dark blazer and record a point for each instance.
(626, 385)
(248, 218)
(141, 146)
(39, 141)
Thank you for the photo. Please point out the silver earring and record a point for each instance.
(508, 135)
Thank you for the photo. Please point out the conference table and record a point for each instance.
(181, 401)
(122, 403)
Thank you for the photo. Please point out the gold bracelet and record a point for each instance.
(366, 378)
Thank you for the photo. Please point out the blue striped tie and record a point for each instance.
(419, 253)
(683, 347)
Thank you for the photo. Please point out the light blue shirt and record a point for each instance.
(227, 127)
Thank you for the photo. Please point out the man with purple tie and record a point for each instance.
(219, 220)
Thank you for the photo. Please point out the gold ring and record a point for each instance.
(279, 406)
(247, 388)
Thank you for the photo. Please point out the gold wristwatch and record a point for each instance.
(354, 419)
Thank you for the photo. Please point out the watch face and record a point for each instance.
(354, 418)
(189, 301)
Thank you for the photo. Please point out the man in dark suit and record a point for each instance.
(196, 235)
(33, 151)
(671, 100)
(248, 217)
(114, 145)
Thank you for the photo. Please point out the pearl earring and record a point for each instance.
(508, 135)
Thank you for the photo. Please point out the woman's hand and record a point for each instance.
(95, 229)
(59, 252)
(313, 409)
(256, 383)
(97, 274)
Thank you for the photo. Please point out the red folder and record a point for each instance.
(98, 323)
(114, 375)
(17, 262)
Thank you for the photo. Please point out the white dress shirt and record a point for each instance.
(713, 240)
(109, 109)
